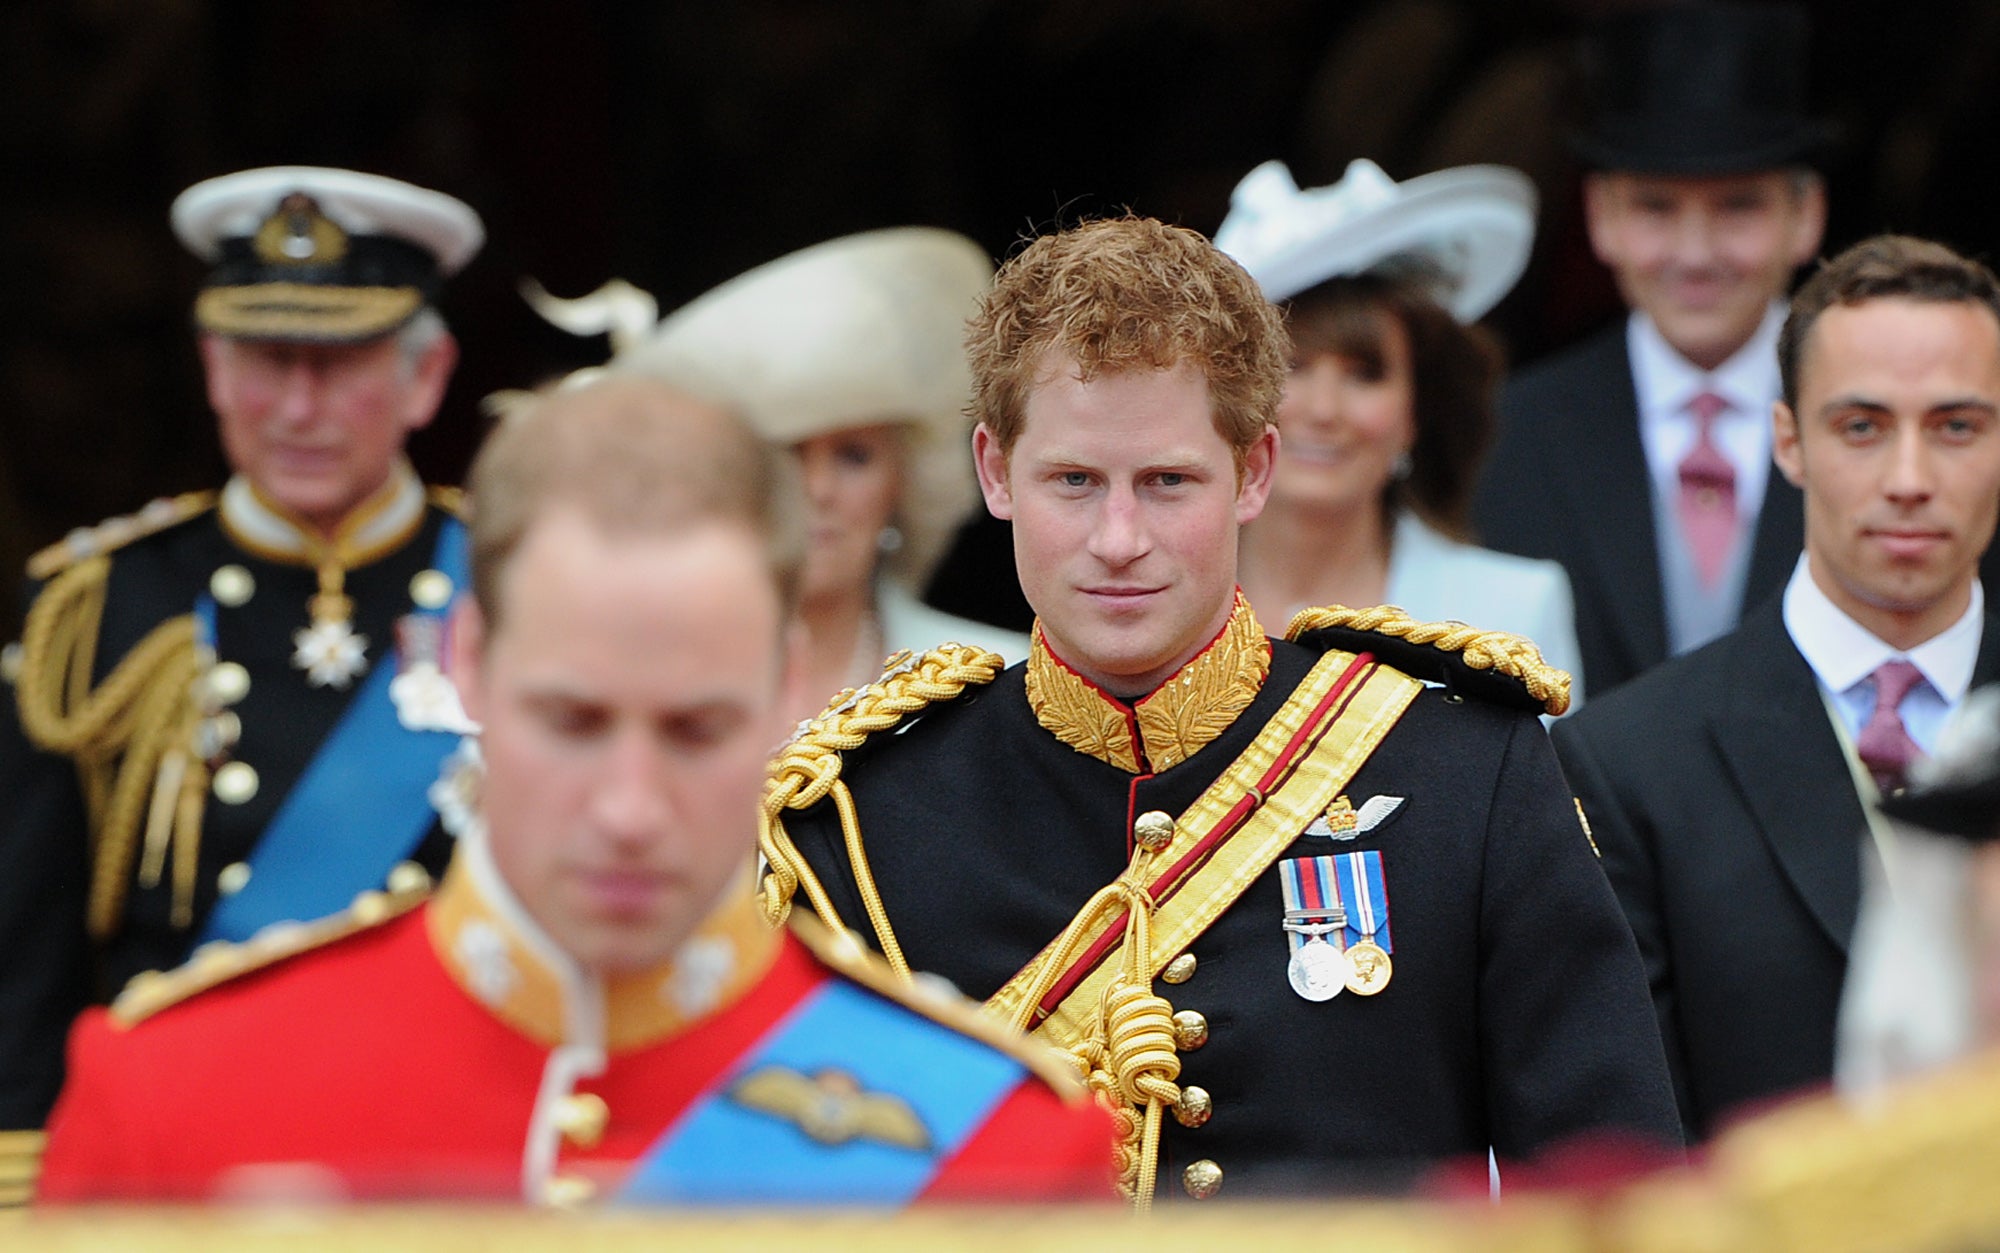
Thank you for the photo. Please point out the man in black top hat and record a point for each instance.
(231, 704)
(1641, 458)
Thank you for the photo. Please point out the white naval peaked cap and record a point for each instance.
(233, 206)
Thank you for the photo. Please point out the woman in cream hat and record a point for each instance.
(849, 352)
(1389, 409)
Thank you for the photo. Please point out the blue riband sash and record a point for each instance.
(361, 806)
(722, 1151)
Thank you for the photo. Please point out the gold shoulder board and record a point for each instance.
(219, 961)
(1444, 650)
(115, 533)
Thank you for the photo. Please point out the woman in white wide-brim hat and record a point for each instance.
(1389, 408)
(850, 353)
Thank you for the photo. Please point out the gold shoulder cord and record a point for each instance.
(808, 768)
(127, 736)
(1513, 655)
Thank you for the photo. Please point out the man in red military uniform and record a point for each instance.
(591, 1005)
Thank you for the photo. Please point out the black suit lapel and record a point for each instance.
(1779, 538)
(1771, 729)
(1986, 667)
(1603, 468)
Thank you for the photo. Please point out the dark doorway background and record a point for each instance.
(675, 144)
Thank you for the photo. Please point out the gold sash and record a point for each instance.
(1340, 734)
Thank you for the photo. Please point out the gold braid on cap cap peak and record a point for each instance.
(1513, 655)
(807, 770)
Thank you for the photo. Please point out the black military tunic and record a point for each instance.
(1517, 1016)
(51, 968)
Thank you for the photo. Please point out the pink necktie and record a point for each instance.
(1707, 505)
(1884, 744)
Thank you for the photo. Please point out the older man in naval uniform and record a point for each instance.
(230, 704)
(591, 1005)
(1310, 922)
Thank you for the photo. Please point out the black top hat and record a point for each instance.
(1700, 89)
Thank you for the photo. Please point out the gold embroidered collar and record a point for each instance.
(496, 952)
(1169, 724)
(377, 526)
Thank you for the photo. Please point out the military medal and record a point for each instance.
(329, 651)
(1318, 970)
(1359, 880)
(424, 696)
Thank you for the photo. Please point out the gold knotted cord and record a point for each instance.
(127, 735)
(1130, 1060)
(807, 770)
(1513, 655)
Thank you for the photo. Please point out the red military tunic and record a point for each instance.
(453, 1051)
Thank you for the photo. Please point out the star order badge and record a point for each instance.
(330, 652)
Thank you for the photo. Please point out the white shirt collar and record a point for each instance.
(1664, 382)
(1842, 652)
(378, 524)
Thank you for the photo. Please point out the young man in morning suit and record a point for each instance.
(591, 1006)
(1730, 789)
(1230, 815)
(230, 704)
(1640, 458)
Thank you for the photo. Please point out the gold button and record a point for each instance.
(1202, 1179)
(231, 585)
(1194, 1107)
(1180, 969)
(581, 1117)
(217, 734)
(369, 908)
(568, 1191)
(407, 876)
(235, 783)
(234, 878)
(430, 589)
(1190, 1030)
(1154, 830)
(228, 683)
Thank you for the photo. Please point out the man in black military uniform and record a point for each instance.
(231, 705)
(1384, 934)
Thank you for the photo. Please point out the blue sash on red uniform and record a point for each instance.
(362, 805)
(722, 1151)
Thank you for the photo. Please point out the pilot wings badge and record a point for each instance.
(832, 1107)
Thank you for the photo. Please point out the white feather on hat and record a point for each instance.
(1474, 225)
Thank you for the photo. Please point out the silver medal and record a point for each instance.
(1318, 970)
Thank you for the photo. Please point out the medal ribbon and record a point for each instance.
(1360, 877)
(1312, 893)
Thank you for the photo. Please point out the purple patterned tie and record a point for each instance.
(1884, 744)
(1707, 504)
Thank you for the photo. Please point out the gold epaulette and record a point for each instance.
(449, 499)
(808, 767)
(219, 961)
(938, 1001)
(1491, 652)
(113, 534)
